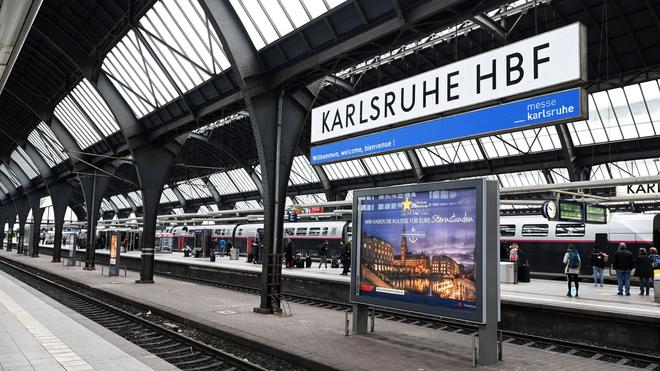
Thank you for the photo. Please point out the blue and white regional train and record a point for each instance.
(543, 242)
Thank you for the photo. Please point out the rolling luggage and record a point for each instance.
(523, 273)
(335, 262)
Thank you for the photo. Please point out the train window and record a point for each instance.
(507, 230)
(289, 231)
(334, 231)
(315, 231)
(325, 231)
(569, 230)
(535, 230)
(301, 232)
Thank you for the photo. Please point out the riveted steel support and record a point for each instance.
(60, 195)
(94, 187)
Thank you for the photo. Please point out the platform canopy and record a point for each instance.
(167, 61)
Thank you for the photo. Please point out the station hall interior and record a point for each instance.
(329, 184)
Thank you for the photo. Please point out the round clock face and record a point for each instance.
(551, 209)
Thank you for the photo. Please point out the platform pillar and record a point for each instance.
(10, 212)
(23, 209)
(94, 186)
(154, 164)
(3, 221)
(60, 195)
(37, 214)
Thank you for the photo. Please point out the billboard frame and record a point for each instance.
(486, 260)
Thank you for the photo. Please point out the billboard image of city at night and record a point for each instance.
(420, 247)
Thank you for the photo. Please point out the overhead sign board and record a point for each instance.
(638, 189)
(569, 105)
(544, 62)
(596, 214)
(423, 248)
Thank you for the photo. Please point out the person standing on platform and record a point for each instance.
(623, 263)
(345, 258)
(514, 252)
(220, 247)
(255, 250)
(323, 254)
(597, 265)
(288, 252)
(644, 271)
(573, 263)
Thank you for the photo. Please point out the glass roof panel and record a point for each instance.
(205, 209)
(624, 113)
(168, 196)
(76, 122)
(311, 198)
(136, 197)
(106, 206)
(388, 163)
(242, 180)
(600, 172)
(5, 190)
(9, 175)
(267, 21)
(522, 179)
(302, 172)
(47, 144)
(560, 175)
(635, 168)
(97, 112)
(345, 169)
(25, 162)
(249, 204)
(521, 142)
(193, 189)
(223, 184)
(349, 196)
(120, 201)
(177, 211)
(449, 153)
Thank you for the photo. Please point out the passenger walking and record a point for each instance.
(345, 258)
(644, 271)
(255, 250)
(288, 252)
(573, 263)
(323, 254)
(623, 263)
(598, 265)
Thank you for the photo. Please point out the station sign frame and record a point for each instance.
(485, 264)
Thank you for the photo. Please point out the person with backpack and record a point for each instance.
(655, 258)
(572, 261)
(623, 263)
(597, 265)
(644, 271)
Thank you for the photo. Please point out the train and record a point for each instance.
(543, 242)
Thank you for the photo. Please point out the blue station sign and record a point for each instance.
(542, 110)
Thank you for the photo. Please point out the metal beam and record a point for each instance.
(489, 25)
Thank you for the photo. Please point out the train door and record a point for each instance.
(199, 243)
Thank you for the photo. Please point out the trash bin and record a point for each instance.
(233, 254)
(508, 272)
(523, 273)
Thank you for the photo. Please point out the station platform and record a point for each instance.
(315, 335)
(37, 333)
(538, 292)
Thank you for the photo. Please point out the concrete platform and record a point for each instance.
(314, 333)
(37, 333)
(547, 293)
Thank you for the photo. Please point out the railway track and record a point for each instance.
(173, 347)
(644, 361)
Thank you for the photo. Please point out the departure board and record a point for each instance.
(596, 214)
(571, 211)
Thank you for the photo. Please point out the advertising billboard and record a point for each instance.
(549, 61)
(114, 248)
(421, 248)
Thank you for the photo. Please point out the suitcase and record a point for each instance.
(308, 262)
(250, 258)
(335, 263)
(523, 273)
(300, 263)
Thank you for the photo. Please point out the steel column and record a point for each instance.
(22, 209)
(10, 213)
(60, 195)
(37, 213)
(94, 187)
